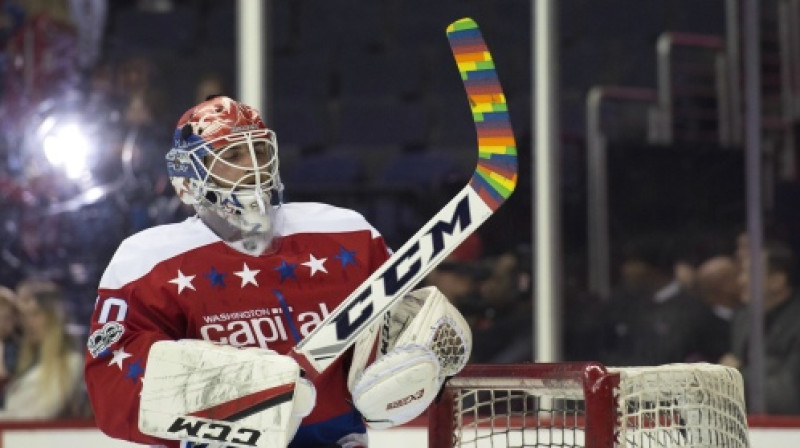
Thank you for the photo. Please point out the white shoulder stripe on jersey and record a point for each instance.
(139, 253)
(315, 217)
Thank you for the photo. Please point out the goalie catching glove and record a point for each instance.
(422, 341)
(202, 392)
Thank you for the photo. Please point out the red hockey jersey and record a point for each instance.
(181, 281)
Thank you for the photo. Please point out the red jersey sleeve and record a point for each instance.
(126, 321)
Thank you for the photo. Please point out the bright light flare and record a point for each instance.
(66, 146)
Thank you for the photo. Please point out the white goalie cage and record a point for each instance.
(589, 405)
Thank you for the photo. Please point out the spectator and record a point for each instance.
(652, 318)
(717, 285)
(458, 277)
(459, 281)
(49, 370)
(503, 332)
(583, 330)
(29, 287)
(781, 331)
(9, 337)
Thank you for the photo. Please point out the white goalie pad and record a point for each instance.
(398, 387)
(201, 392)
(422, 341)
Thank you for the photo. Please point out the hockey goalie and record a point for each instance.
(193, 321)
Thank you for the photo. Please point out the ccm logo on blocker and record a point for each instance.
(404, 401)
(217, 430)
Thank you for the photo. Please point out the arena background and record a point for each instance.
(370, 114)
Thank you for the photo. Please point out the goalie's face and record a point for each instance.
(224, 159)
(242, 166)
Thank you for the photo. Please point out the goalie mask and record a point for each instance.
(225, 160)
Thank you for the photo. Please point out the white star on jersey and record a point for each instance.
(315, 264)
(247, 275)
(119, 356)
(183, 281)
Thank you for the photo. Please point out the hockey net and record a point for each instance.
(589, 405)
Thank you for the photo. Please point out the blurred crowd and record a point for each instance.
(41, 374)
(667, 307)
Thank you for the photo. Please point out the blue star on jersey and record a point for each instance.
(134, 370)
(346, 257)
(217, 278)
(286, 270)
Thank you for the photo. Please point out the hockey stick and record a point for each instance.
(491, 184)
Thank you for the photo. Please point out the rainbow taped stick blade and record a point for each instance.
(491, 184)
(496, 175)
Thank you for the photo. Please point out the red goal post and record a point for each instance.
(590, 405)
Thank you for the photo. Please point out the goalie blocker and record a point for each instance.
(202, 392)
(250, 397)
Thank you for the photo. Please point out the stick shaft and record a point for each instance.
(493, 181)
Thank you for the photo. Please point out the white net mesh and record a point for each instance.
(516, 418)
(697, 405)
(682, 405)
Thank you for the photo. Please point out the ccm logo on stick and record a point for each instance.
(393, 281)
(215, 431)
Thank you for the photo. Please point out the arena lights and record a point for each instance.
(73, 153)
(66, 146)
